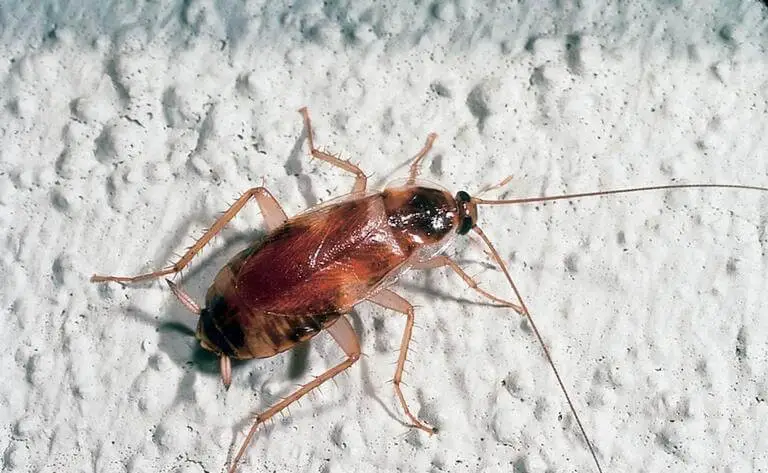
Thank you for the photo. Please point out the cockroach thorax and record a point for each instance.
(423, 214)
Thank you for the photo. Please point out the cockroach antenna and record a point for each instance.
(527, 315)
(530, 200)
(523, 309)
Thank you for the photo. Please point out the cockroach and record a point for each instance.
(312, 269)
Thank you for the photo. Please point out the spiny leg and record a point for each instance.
(493, 187)
(361, 179)
(441, 260)
(391, 300)
(183, 297)
(274, 216)
(416, 164)
(343, 333)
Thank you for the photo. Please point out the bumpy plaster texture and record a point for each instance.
(127, 126)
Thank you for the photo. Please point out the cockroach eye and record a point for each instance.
(467, 212)
(466, 226)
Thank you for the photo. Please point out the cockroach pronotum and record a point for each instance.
(312, 269)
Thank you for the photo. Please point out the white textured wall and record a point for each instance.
(126, 127)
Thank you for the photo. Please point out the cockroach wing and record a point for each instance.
(321, 261)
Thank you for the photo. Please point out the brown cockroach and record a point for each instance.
(312, 269)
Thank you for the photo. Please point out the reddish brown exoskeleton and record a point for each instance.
(313, 268)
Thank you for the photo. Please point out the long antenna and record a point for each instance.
(528, 200)
(527, 314)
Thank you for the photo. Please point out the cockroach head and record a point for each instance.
(467, 212)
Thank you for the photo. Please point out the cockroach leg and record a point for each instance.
(494, 187)
(274, 216)
(441, 260)
(343, 333)
(391, 300)
(271, 211)
(225, 365)
(416, 164)
(361, 180)
(183, 297)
